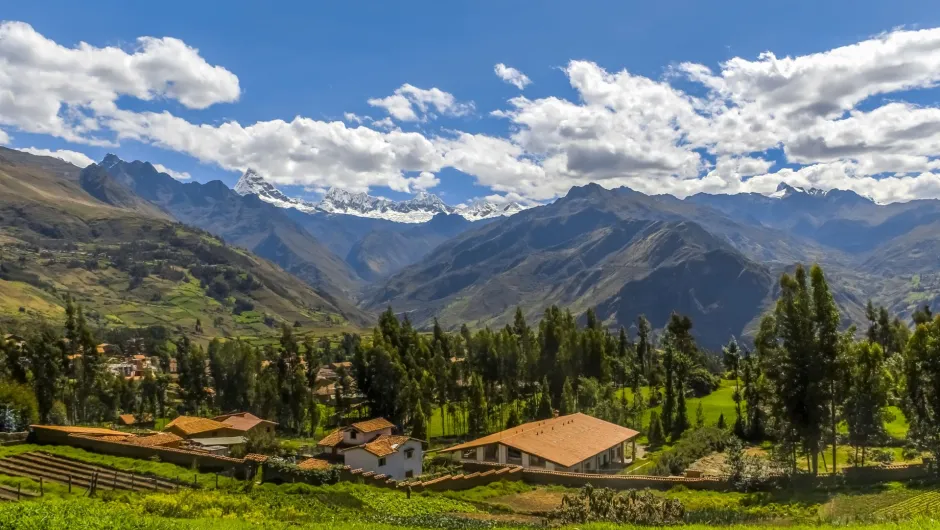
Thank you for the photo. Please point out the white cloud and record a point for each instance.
(424, 181)
(178, 175)
(410, 103)
(4, 137)
(838, 116)
(49, 89)
(512, 76)
(72, 157)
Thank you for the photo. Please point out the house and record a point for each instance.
(160, 439)
(247, 423)
(219, 446)
(356, 434)
(397, 457)
(576, 443)
(141, 420)
(192, 427)
(370, 445)
(122, 369)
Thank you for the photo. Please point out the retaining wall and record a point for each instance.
(202, 461)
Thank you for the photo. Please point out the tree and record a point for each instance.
(699, 416)
(567, 405)
(722, 423)
(922, 396)
(545, 403)
(732, 361)
(656, 436)
(867, 396)
(419, 425)
(476, 409)
(826, 324)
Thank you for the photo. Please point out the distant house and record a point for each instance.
(247, 423)
(371, 446)
(143, 420)
(58, 434)
(397, 457)
(219, 446)
(193, 427)
(576, 443)
(356, 434)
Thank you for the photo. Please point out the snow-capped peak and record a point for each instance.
(418, 209)
(786, 190)
(484, 209)
(252, 183)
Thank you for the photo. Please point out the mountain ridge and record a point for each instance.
(419, 209)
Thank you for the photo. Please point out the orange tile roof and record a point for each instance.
(153, 440)
(255, 457)
(314, 464)
(96, 431)
(384, 445)
(332, 440)
(372, 425)
(190, 425)
(130, 419)
(242, 421)
(566, 440)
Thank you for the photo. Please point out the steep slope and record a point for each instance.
(619, 251)
(381, 253)
(246, 221)
(129, 264)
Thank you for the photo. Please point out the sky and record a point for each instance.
(504, 100)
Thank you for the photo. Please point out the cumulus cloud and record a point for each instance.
(4, 137)
(72, 157)
(50, 89)
(410, 103)
(178, 175)
(512, 76)
(834, 119)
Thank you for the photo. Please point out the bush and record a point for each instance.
(605, 505)
(695, 445)
(18, 407)
(882, 456)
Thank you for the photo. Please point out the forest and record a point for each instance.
(802, 385)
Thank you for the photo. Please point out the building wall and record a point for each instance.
(396, 465)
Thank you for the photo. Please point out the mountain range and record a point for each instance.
(419, 209)
(715, 258)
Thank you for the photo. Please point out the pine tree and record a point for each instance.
(567, 399)
(721, 422)
(655, 434)
(699, 416)
(513, 420)
(867, 396)
(419, 425)
(476, 409)
(680, 423)
(732, 361)
(544, 411)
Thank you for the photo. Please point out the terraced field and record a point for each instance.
(36, 465)
(927, 503)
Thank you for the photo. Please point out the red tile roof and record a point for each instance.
(566, 440)
(153, 440)
(242, 421)
(314, 464)
(190, 425)
(91, 431)
(384, 445)
(372, 425)
(332, 440)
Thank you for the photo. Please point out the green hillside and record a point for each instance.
(129, 264)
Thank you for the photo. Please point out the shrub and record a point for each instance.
(605, 505)
(882, 456)
(695, 445)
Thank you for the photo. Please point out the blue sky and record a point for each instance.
(323, 60)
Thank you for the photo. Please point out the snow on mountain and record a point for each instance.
(419, 209)
(483, 209)
(251, 183)
(786, 190)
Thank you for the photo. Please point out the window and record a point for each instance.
(381, 462)
(409, 474)
(352, 435)
(409, 453)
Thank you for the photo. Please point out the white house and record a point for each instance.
(398, 457)
(370, 445)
